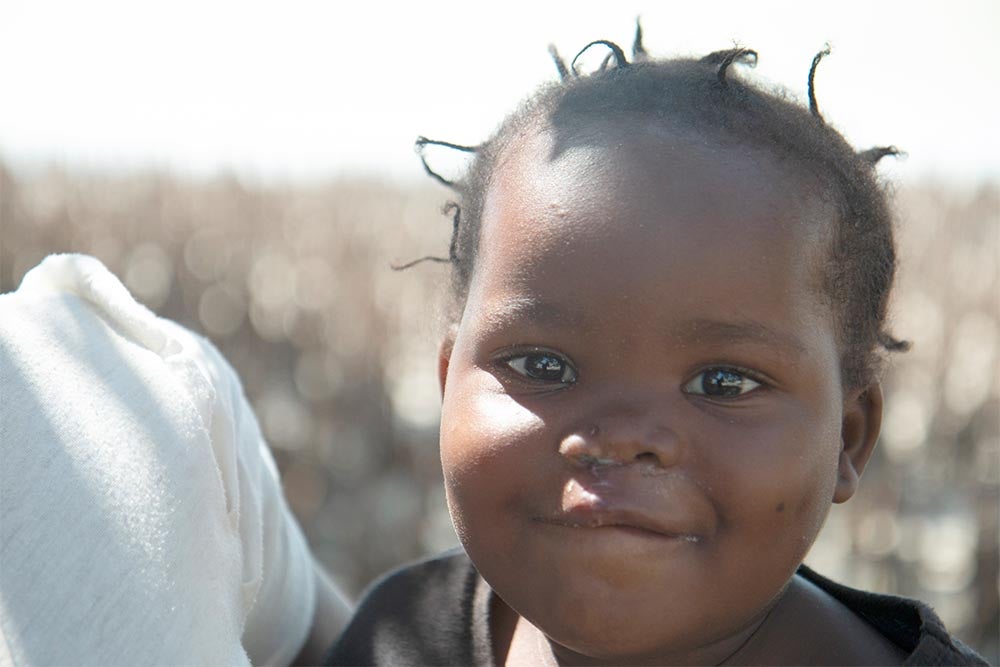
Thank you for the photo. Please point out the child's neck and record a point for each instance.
(808, 626)
(516, 643)
(804, 626)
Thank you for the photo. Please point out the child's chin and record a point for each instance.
(618, 645)
(659, 621)
(616, 631)
(619, 637)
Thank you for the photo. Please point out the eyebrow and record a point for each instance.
(506, 311)
(735, 331)
(689, 332)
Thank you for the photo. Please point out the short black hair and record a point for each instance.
(702, 94)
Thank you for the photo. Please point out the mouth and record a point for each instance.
(624, 521)
(623, 502)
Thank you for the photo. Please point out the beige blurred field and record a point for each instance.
(337, 355)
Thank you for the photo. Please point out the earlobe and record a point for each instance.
(859, 433)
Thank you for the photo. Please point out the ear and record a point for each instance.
(858, 433)
(444, 357)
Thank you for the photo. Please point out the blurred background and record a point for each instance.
(247, 170)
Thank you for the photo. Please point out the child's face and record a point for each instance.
(642, 424)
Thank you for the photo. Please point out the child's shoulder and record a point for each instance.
(860, 627)
(432, 611)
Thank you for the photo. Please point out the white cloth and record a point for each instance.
(141, 515)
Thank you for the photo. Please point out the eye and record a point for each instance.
(721, 383)
(543, 366)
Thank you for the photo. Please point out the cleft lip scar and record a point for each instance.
(595, 461)
(598, 465)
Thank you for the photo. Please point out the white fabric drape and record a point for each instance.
(141, 515)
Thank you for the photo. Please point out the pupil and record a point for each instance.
(722, 383)
(544, 367)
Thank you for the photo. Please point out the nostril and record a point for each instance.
(647, 457)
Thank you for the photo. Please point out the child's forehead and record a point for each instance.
(607, 170)
(616, 214)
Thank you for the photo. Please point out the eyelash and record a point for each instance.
(745, 376)
(516, 361)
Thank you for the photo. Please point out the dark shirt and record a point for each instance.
(436, 612)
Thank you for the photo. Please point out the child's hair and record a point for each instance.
(703, 96)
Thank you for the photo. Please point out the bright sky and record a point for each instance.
(311, 89)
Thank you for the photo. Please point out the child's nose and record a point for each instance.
(623, 441)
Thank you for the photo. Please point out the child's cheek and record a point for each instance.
(775, 478)
(487, 437)
(491, 420)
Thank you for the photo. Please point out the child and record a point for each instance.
(670, 293)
